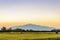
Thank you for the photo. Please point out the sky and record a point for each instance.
(20, 12)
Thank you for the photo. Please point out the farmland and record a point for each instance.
(29, 36)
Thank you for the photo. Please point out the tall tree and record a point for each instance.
(3, 29)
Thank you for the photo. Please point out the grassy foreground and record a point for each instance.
(30, 36)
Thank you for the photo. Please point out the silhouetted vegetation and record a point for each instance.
(4, 29)
(56, 30)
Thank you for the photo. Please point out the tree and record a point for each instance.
(3, 29)
(56, 32)
(9, 30)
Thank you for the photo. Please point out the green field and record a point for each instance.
(30, 36)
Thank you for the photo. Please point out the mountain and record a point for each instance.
(33, 27)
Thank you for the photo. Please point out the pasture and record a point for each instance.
(29, 36)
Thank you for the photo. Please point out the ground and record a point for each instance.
(30, 36)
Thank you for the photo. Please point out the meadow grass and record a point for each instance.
(29, 36)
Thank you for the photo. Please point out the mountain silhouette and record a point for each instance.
(33, 27)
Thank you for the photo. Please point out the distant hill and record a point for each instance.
(33, 27)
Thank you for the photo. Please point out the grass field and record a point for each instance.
(30, 36)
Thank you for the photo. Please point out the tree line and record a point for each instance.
(4, 29)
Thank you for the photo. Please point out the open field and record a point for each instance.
(30, 36)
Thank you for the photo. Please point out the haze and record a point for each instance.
(20, 12)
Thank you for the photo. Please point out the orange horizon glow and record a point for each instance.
(55, 24)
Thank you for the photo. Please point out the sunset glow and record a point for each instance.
(21, 12)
